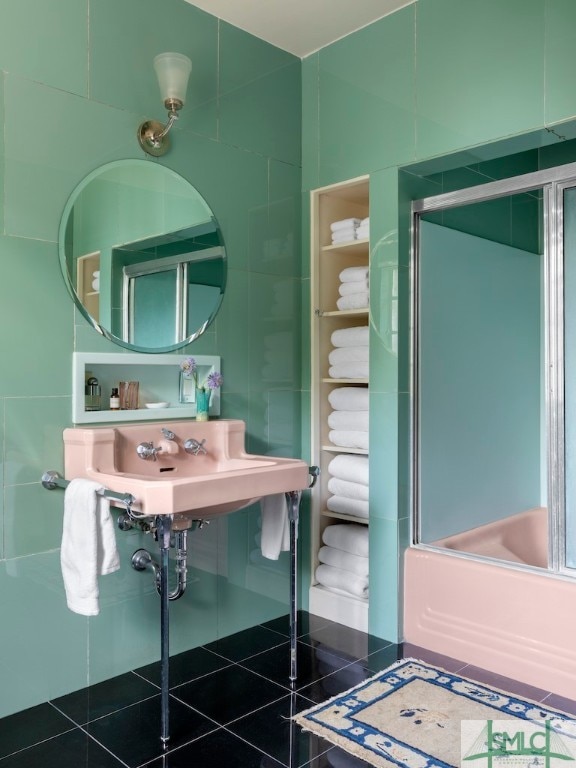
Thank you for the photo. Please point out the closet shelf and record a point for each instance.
(348, 518)
(356, 247)
(351, 382)
(343, 312)
(340, 449)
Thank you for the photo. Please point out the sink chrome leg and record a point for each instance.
(163, 526)
(293, 501)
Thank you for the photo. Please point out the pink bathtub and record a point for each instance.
(501, 616)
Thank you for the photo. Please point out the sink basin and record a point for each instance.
(177, 483)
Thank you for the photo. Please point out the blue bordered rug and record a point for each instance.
(411, 716)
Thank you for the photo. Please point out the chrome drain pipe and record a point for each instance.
(142, 560)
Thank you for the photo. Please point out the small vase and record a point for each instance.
(202, 404)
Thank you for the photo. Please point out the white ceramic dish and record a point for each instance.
(157, 405)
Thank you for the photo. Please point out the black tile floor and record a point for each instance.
(231, 704)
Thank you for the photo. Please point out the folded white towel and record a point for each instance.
(349, 420)
(348, 355)
(350, 537)
(349, 371)
(365, 221)
(96, 273)
(335, 578)
(88, 545)
(355, 469)
(347, 488)
(347, 438)
(96, 284)
(357, 286)
(356, 336)
(363, 233)
(353, 274)
(275, 526)
(343, 236)
(349, 398)
(344, 560)
(351, 223)
(346, 506)
(354, 301)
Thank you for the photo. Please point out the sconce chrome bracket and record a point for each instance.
(153, 139)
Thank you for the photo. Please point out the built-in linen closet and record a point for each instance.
(340, 254)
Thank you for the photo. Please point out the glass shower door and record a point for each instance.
(569, 244)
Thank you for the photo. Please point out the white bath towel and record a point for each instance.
(344, 560)
(354, 301)
(348, 438)
(335, 578)
(88, 545)
(355, 420)
(346, 506)
(363, 232)
(357, 286)
(356, 336)
(348, 355)
(347, 488)
(345, 224)
(357, 370)
(349, 537)
(349, 398)
(343, 236)
(354, 469)
(275, 526)
(353, 274)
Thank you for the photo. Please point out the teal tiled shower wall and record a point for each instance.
(71, 99)
(436, 77)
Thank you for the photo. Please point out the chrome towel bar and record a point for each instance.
(53, 479)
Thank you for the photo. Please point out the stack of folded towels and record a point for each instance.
(348, 484)
(349, 421)
(363, 231)
(347, 230)
(349, 358)
(344, 559)
(96, 281)
(354, 289)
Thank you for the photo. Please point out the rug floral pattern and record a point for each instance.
(410, 715)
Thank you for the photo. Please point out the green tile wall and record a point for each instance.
(71, 97)
(437, 77)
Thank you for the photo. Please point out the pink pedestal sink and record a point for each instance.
(222, 480)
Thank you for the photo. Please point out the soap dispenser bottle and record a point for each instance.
(92, 394)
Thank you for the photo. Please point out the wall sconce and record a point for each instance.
(172, 70)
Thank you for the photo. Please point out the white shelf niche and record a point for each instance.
(159, 378)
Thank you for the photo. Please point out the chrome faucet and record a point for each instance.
(194, 446)
(147, 451)
(168, 434)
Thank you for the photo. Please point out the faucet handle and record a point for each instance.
(195, 446)
(147, 451)
(168, 434)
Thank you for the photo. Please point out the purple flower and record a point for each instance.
(188, 367)
(214, 380)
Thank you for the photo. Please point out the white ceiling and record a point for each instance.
(300, 26)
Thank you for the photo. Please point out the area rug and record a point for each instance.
(412, 715)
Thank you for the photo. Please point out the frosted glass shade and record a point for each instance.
(173, 71)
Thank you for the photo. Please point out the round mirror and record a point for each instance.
(142, 255)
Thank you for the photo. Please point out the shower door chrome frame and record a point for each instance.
(552, 182)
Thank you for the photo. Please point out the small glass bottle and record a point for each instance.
(114, 400)
(92, 394)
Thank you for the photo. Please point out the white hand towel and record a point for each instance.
(348, 355)
(363, 233)
(354, 469)
(334, 578)
(365, 221)
(350, 537)
(344, 224)
(344, 560)
(356, 286)
(275, 526)
(356, 336)
(343, 236)
(354, 301)
(349, 371)
(345, 506)
(353, 274)
(88, 545)
(347, 488)
(349, 398)
(355, 420)
(348, 438)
